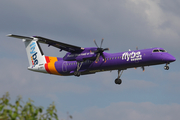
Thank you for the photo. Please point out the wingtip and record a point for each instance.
(9, 35)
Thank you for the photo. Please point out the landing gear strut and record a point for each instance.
(166, 67)
(118, 80)
(77, 73)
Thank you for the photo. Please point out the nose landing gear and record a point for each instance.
(166, 67)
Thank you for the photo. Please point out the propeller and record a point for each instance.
(100, 51)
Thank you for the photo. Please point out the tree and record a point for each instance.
(28, 111)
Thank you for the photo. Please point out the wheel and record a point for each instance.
(166, 67)
(77, 73)
(118, 81)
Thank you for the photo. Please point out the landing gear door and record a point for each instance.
(64, 66)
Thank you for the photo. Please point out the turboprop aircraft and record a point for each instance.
(82, 61)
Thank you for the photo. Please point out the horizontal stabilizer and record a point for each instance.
(20, 37)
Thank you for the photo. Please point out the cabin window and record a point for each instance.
(113, 58)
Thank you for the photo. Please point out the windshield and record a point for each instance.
(157, 50)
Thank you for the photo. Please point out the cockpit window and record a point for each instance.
(156, 50)
(162, 50)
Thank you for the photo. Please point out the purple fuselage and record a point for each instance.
(114, 61)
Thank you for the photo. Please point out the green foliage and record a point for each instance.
(28, 111)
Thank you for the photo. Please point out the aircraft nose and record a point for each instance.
(169, 58)
(173, 59)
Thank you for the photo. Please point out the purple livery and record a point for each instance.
(81, 61)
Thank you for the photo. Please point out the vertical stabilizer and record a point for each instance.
(35, 55)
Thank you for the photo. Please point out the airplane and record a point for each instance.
(82, 61)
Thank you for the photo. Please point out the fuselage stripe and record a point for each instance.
(50, 65)
(46, 65)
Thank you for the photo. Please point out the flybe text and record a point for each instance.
(33, 54)
(133, 56)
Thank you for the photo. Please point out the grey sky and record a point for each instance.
(124, 24)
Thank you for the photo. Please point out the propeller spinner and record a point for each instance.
(100, 51)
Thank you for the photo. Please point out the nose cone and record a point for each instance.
(173, 59)
(169, 58)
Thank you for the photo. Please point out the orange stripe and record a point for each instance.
(51, 65)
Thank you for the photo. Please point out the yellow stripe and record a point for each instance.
(51, 65)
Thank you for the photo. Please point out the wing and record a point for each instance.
(60, 45)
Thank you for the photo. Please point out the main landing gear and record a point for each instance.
(166, 67)
(118, 80)
(77, 72)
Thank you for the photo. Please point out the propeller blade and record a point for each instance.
(106, 49)
(99, 51)
(95, 43)
(97, 58)
(103, 57)
(101, 42)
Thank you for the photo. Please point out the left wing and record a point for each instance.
(60, 45)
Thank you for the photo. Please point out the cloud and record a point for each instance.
(129, 111)
(163, 24)
(121, 22)
(16, 79)
(124, 25)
